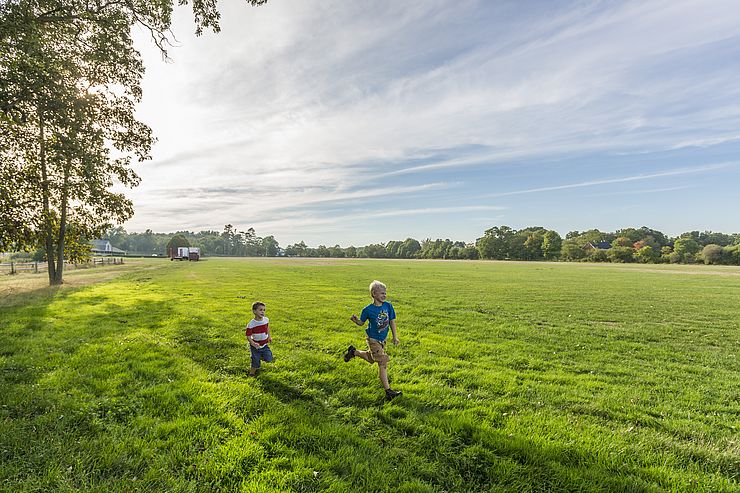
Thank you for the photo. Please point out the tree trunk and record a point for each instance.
(62, 228)
(48, 225)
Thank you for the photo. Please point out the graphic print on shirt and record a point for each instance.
(383, 321)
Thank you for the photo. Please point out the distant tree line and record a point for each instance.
(639, 245)
(229, 242)
(642, 245)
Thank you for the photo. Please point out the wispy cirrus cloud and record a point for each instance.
(624, 179)
(434, 105)
(648, 191)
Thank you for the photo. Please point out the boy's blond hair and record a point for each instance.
(375, 285)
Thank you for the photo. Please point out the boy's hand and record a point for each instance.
(355, 319)
(269, 339)
(396, 342)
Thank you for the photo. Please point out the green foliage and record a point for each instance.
(622, 241)
(686, 248)
(647, 255)
(710, 238)
(652, 237)
(731, 255)
(552, 244)
(270, 246)
(495, 243)
(571, 250)
(718, 255)
(69, 82)
(176, 242)
(598, 256)
(470, 253)
(565, 377)
(592, 236)
(533, 245)
(409, 249)
(296, 250)
(375, 250)
(712, 254)
(621, 254)
(446, 249)
(77, 248)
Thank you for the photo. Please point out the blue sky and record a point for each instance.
(348, 122)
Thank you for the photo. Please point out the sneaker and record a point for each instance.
(349, 354)
(391, 394)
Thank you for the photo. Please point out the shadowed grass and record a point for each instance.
(516, 377)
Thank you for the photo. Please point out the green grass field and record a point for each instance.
(516, 377)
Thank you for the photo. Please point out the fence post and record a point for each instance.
(36, 267)
(12, 268)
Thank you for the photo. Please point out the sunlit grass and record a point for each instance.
(516, 377)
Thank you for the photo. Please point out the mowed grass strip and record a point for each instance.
(516, 377)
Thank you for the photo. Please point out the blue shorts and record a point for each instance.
(261, 354)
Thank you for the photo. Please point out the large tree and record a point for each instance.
(495, 242)
(69, 82)
(552, 243)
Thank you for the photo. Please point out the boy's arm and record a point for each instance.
(252, 342)
(356, 320)
(393, 331)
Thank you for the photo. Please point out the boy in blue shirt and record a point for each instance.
(381, 316)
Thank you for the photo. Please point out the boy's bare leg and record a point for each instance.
(364, 355)
(383, 374)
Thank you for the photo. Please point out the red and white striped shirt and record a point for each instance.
(259, 330)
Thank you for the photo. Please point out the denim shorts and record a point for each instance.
(261, 354)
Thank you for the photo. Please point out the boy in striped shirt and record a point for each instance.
(258, 335)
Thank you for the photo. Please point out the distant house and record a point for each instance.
(103, 247)
(597, 245)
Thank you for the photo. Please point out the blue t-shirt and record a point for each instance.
(380, 319)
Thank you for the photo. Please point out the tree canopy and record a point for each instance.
(69, 82)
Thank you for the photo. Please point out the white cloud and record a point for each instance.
(303, 104)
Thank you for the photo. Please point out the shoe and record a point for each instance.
(391, 394)
(349, 354)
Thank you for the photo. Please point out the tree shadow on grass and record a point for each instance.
(22, 298)
(210, 349)
(284, 393)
